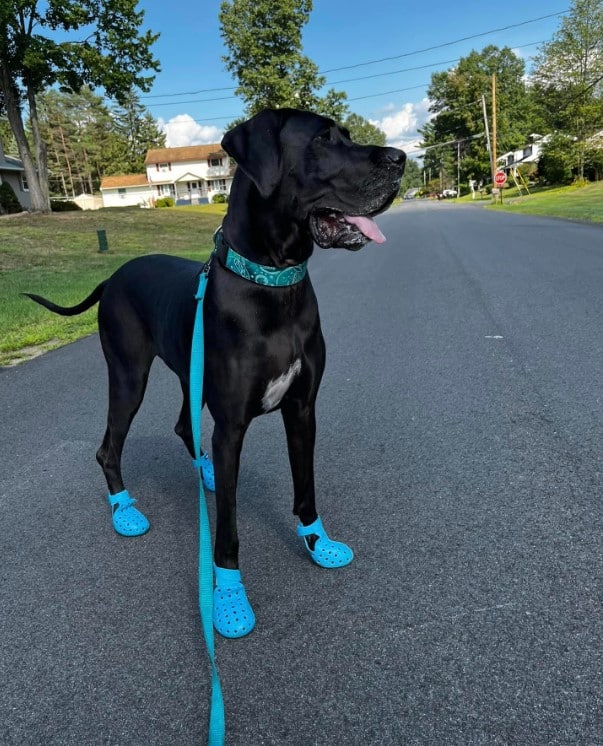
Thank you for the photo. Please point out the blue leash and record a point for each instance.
(217, 727)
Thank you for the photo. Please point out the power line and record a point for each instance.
(375, 62)
(445, 44)
(357, 98)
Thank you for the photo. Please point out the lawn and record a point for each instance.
(58, 256)
(573, 202)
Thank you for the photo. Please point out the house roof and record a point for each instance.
(186, 153)
(8, 163)
(124, 180)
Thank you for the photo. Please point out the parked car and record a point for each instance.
(449, 193)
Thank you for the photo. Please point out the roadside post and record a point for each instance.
(103, 244)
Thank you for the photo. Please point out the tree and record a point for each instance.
(104, 48)
(78, 130)
(363, 132)
(265, 56)
(456, 101)
(568, 76)
(136, 132)
(412, 176)
(7, 139)
(557, 159)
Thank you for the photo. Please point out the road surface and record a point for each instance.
(459, 453)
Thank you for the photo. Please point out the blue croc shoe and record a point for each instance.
(326, 553)
(207, 471)
(233, 615)
(127, 521)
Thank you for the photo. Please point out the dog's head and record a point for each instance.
(308, 166)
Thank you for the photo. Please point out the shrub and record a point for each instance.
(8, 200)
(165, 202)
(63, 205)
(219, 199)
(557, 160)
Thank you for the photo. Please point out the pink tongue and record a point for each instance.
(367, 226)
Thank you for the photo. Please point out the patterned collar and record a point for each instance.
(254, 272)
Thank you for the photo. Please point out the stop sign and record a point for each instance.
(500, 178)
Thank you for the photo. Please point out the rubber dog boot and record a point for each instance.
(233, 615)
(207, 472)
(127, 520)
(326, 553)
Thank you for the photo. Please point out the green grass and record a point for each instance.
(573, 202)
(57, 256)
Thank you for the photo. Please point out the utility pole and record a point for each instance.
(458, 169)
(494, 167)
(487, 126)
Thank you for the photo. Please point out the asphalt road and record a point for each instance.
(459, 453)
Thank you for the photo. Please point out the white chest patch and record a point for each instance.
(278, 387)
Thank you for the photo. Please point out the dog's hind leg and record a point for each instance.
(184, 430)
(129, 355)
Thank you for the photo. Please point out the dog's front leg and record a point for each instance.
(227, 442)
(299, 419)
(300, 425)
(233, 615)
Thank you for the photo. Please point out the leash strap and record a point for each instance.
(217, 727)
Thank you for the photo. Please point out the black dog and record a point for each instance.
(300, 180)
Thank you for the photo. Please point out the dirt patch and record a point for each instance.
(10, 359)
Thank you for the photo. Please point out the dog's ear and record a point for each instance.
(255, 146)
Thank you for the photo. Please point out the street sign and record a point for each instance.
(500, 177)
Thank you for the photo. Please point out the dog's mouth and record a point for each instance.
(333, 229)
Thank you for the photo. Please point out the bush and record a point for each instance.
(165, 202)
(8, 200)
(219, 199)
(63, 205)
(557, 160)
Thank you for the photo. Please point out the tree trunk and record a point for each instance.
(39, 144)
(38, 192)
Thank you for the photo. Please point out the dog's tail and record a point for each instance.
(87, 303)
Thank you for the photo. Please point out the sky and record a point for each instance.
(193, 96)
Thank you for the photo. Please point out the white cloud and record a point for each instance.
(183, 130)
(402, 126)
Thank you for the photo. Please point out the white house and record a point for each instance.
(127, 190)
(13, 173)
(530, 153)
(192, 175)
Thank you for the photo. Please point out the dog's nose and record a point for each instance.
(394, 156)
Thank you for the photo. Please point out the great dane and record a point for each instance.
(300, 180)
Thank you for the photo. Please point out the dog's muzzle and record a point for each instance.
(333, 229)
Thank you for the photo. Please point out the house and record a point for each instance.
(530, 153)
(127, 190)
(13, 173)
(192, 175)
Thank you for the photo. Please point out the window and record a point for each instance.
(527, 151)
(215, 162)
(219, 185)
(164, 167)
(193, 185)
(166, 190)
(122, 192)
(24, 184)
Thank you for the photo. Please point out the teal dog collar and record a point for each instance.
(258, 273)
